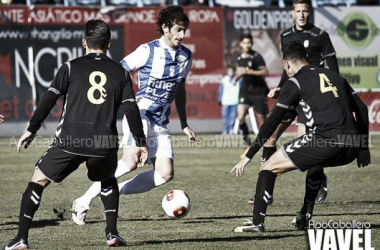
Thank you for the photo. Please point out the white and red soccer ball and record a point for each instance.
(176, 203)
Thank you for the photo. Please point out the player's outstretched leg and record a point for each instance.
(264, 191)
(110, 199)
(267, 153)
(82, 204)
(30, 203)
(142, 183)
(270, 146)
(163, 172)
(314, 179)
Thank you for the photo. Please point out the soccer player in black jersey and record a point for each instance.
(251, 69)
(331, 125)
(94, 86)
(319, 49)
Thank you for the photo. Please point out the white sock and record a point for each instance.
(94, 190)
(122, 169)
(141, 183)
(91, 193)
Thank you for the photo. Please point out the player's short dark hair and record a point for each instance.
(294, 51)
(308, 2)
(97, 34)
(246, 36)
(171, 15)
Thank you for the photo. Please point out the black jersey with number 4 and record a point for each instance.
(316, 42)
(94, 86)
(326, 100)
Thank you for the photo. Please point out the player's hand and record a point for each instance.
(239, 167)
(235, 80)
(1, 118)
(141, 156)
(241, 71)
(274, 93)
(364, 158)
(26, 138)
(190, 133)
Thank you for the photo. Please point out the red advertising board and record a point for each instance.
(372, 100)
(36, 42)
(205, 39)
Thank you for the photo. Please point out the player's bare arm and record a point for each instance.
(43, 109)
(239, 167)
(26, 138)
(180, 101)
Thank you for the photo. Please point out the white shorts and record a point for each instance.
(159, 141)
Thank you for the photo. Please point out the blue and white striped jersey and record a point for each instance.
(161, 71)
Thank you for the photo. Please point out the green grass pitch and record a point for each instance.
(219, 202)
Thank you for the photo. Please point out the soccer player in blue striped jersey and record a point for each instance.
(163, 65)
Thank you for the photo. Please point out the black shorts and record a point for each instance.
(258, 102)
(56, 165)
(309, 151)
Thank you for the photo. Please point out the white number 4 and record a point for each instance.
(323, 80)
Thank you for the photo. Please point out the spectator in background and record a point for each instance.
(229, 99)
(251, 68)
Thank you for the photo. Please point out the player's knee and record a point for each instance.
(162, 178)
(165, 175)
(40, 178)
(271, 166)
(42, 182)
(128, 163)
(110, 182)
(168, 177)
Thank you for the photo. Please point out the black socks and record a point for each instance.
(30, 203)
(264, 192)
(110, 198)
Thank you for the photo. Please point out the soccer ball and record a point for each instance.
(176, 204)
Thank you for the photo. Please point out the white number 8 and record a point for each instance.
(97, 86)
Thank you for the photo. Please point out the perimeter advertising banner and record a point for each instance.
(265, 25)
(34, 43)
(354, 32)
